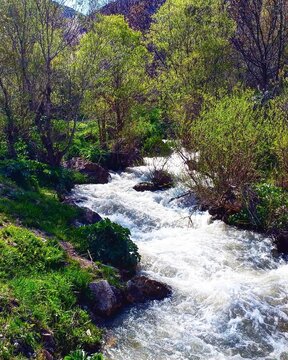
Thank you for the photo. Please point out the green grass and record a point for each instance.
(38, 210)
(42, 290)
(39, 292)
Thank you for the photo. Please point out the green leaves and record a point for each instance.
(110, 63)
(191, 41)
(109, 243)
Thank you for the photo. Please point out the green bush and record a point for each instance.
(155, 146)
(86, 144)
(233, 141)
(266, 209)
(278, 114)
(109, 243)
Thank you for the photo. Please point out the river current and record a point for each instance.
(230, 295)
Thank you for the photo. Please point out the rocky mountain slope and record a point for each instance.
(137, 12)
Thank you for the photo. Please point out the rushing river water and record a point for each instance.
(230, 296)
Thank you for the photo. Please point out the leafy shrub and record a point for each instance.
(229, 145)
(109, 243)
(265, 209)
(278, 114)
(86, 144)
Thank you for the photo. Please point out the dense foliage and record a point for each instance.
(109, 243)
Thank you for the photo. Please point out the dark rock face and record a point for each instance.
(138, 13)
(120, 160)
(141, 289)
(86, 216)
(162, 179)
(107, 300)
(95, 173)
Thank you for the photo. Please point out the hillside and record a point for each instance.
(137, 12)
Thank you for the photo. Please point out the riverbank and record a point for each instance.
(64, 269)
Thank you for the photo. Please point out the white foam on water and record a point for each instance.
(230, 296)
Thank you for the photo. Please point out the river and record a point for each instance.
(230, 295)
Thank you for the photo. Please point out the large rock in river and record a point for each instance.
(106, 299)
(160, 180)
(145, 186)
(95, 173)
(141, 289)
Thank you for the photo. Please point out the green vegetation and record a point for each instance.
(110, 243)
(40, 289)
(265, 209)
(81, 355)
(205, 76)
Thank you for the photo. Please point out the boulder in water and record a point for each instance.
(141, 289)
(160, 180)
(86, 216)
(89, 217)
(145, 186)
(106, 299)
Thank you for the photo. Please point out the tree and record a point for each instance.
(111, 68)
(190, 40)
(261, 38)
(34, 37)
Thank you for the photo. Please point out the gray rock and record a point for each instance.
(106, 299)
(88, 217)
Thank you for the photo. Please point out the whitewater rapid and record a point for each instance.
(230, 295)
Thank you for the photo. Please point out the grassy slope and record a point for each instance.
(40, 287)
